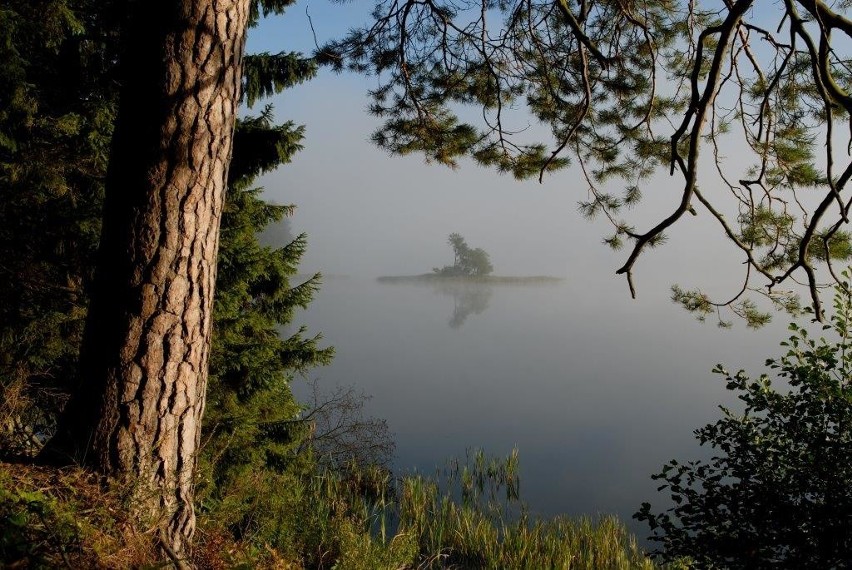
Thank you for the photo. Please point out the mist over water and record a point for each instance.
(595, 389)
(594, 404)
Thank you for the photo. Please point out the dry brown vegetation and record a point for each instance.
(66, 518)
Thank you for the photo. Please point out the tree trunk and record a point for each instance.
(136, 415)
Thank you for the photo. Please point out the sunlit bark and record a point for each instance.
(136, 414)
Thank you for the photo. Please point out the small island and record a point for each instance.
(470, 265)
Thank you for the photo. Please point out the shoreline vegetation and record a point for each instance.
(486, 279)
(467, 515)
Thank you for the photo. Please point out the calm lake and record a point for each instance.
(594, 405)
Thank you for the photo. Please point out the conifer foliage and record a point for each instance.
(250, 426)
(627, 93)
(59, 96)
(57, 107)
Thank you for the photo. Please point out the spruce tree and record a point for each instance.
(57, 108)
(251, 431)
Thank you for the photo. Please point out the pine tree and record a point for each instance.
(55, 132)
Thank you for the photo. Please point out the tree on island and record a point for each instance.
(467, 262)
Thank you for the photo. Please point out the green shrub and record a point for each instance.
(778, 491)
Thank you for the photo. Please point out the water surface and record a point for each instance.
(594, 405)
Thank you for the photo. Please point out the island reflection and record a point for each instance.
(471, 295)
(468, 299)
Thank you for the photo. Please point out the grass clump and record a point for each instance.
(470, 516)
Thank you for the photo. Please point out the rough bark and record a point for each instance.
(136, 415)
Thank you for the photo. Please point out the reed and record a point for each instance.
(467, 515)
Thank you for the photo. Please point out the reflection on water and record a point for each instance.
(595, 390)
(468, 299)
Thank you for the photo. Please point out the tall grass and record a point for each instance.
(468, 515)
